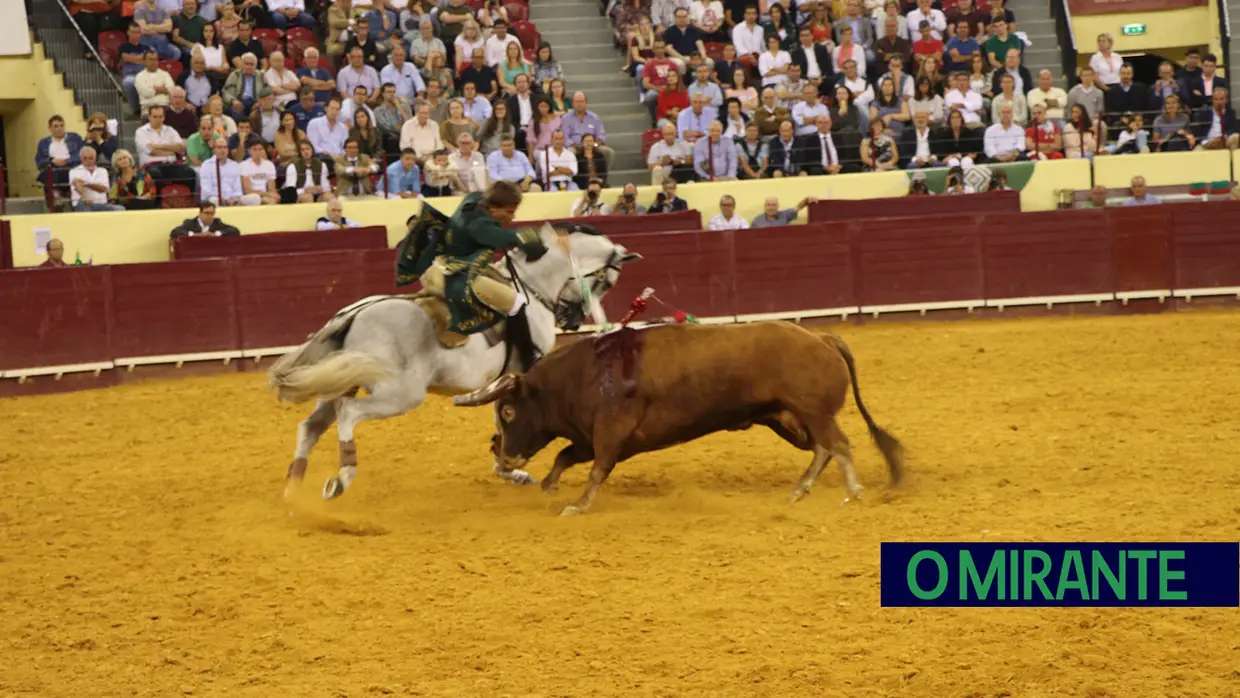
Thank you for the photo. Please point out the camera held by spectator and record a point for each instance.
(591, 204)
(626, 203)
(917, 186)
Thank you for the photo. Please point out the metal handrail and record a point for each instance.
(69, 15)
(1067, 15)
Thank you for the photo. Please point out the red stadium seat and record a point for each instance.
(176, 196)
(714, 50)
(110, 48)
(174, 68)
(649, 138)
(298, 40)
(527, 33)
(517, 12)
(476, 5)
(271, 40)
(531, 55)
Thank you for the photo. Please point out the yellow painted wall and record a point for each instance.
(1169, 32)
(30, 93)
(1038, 194)
(1163, 169)
(142, 236)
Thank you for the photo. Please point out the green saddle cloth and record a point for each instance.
(469, 315)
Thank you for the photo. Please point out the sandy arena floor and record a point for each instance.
(146, 550)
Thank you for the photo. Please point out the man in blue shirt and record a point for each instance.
(316, 77)
(958, 53)
(306, 108)
(131, 60)
(1139, 196)
(684, 42)
(404, 178)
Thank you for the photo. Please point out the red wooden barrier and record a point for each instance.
(1206, 248)
(283, 298)
(622, 225)
(693, 272)
(197, 247)
(6, 241)
(901, 261)
(1056, 253)
(55, 317)
(1141, 251)
(791, 268)
(161, 309)
(827, 210)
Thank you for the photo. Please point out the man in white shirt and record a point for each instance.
(669, 155)
(727, 219)
(964, 100)
(1005, 141)
(89, 184)
(220, 179)
(471, 166)
(748, 37)
(496, 47)
(557, 164)
(351, 105)
(154, 85)
(861, 90)
(421, 133)
(923, 12)
(1048, 95)
(591, 203)
(328, 133)
(403, 75)
(917, 141)
(258, 175)
(806, 112)
(158, 147)
(335, 220)
(283, 82)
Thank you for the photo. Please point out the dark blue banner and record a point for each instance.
(1061, 574)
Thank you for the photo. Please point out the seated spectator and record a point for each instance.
(1165, 86)
(237, 142)
(88, 184)
(511, 69)
(283, 82)
(258, 174)
(996, 9)
(707, 17)
(467, 45)
(440, 81)
(591, 162)
(509, 165)
(187, 28)
(329, 132)
(693, 123)
(472, 106)
(154, 84)
(315, 78)
(541, 126)
(131, 59)
(286, 13)
(936, 20)
(403, 178)
(1200, 88)
(889, 109)
(849, 51)
(1216, 125)
(197, 84)
(251, 11)
(99, 137)
(1000, 44)
(390, 116)
(845, 116)
(55, 255)
(1005, 140)
(132, 187)
(244, 44)
(724, 70)
(559, 99)
(1087, 94)
(714, 157)
(521, 106)
(228, 24)
(673, 100)
(205, 223)
(180, 114)
(265, 119)
(59, 151)
(220, 180)
(773, 63)
(930, 46)
(558, 165)
(306, 109)
(366, 135)
(305, 178)
(403, 75)
(769, 114)
(959, 51)
(925, 100)
(626, 203)
(772, 215)
(957, 145)
(1171, 129)
(747, 96)
(733, 120)
(335, 220)
(1008, 96)
(1080, 134)
(421, 133)
(489, 14)
(653, 73)
(198, 145)
(546, 68)
(580, 121)
(862, 93)
(727, 218)
(384, 31)
(1140, 197)
(684, 43)
(353, 170)
(820, 23)
(496, 47)
(244, 87)
(591, 202)
(214, 56)
(902, 81)
(355, 103)
(470, 165)
(753, 155)
(813, 60)
(964, 100)
(1043, 138)
(286, 138)
(1127, 95)
(805, 114)
(1106, 63)
(481, 76)
(1022, 81)
(356, 73)
(156, 25)
(339, 22)
(159, 146)
(825, 152)
(666, 201)
(1133, 139)
(879, 151)
(860, 28)
(917, 144)
(785, 152)
(780, 20)
(1047, 95)
(423, 42)
(442, 175)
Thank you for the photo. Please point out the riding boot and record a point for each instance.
(518, 331)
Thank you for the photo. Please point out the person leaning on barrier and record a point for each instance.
(205, 223)
(591, 203)
(626, 203)
(772, 215)
(335, 220)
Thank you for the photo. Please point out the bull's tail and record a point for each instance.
(892, 450)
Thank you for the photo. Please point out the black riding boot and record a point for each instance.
(520, 341)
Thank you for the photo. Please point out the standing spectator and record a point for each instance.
(684, 43)
(714, 157)
(924, 13)
(703, 85)
(442, 176)
(1005, 141)
(1000, 43)
(1087, 94)
(666, 201)
(753, 155)
(154, 84)
(693, 123)
(329, 132)
(60, 151)
(258, 174)
(1009, 97)
(727, 219)
(306, 109)
(335, 220)
(402, 75)
(88, 184)
(1054, 99)
(221, 179)
(353, 171)
(1043, 138)
(1216, 125)
(773, 63)
(1106, 63)
(318, 79)
(480, 75)
(187, 29)
(805, 114)
(244, 87)
(403, 178)
(591, 203)
(916, 147)
(506, 164)
(471, 167)
(1140, 197)
(772, 215)
(421, 133)
(813, 59)
(156, 27)
(959, 50)
(283, 82)
(579, 122)
(670, 157)
(306, 178)
(1171, 129)
(558, 164)
(131, 58)
(1127, 95)
(769, 114)
(357, 72)
(1201, 88)
(289, 12)
(205, 223)
(245, 43)
(180, 114)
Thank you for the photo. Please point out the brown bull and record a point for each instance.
(634, 391)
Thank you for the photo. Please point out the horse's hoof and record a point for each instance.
(571, 510)
(291, 487)
(520, 477)
(333, 488)
(797, 495)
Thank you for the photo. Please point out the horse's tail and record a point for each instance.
(328, 378)
(892, 450)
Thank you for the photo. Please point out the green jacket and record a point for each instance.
(474, 237)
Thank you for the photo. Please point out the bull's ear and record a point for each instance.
(498, 388)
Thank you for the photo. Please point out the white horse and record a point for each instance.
(388, 345)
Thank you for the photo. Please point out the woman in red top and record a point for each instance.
(820, 26)
(672, 98)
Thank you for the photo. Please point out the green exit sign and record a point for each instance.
(1133, 29)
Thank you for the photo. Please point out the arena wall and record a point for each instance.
(30, 93)
(1195, 27)
(109, 318)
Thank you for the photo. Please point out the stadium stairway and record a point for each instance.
(582, 42)
(1034, 19)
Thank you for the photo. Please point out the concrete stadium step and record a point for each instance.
(628, 121)
(577, 24)
(566, 53)
(625, 95)
(552, 10)
(619, 178)
(578, 80)
(1038, 58)
(1036, 26)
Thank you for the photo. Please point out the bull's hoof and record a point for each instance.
(520, 477)
(333, 488)
(572, 510)
(549, 487)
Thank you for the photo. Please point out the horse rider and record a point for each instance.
(480, 227)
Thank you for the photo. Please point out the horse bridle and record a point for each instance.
(553, 306)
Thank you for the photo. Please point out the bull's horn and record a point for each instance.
(498, 388)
